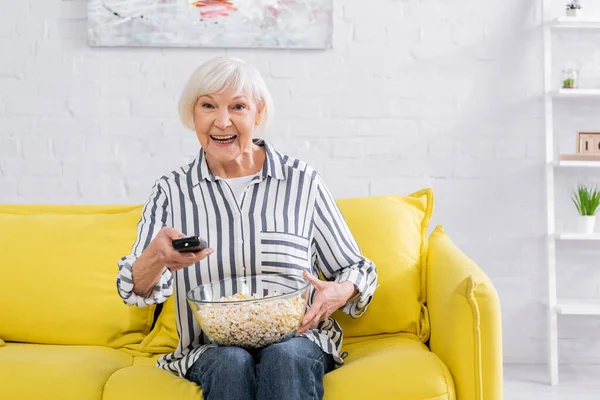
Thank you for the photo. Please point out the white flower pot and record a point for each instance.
(574, 13)
(585, 223)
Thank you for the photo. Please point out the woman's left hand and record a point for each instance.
(330, 297)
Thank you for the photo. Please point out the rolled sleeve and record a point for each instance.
(160, 293)
(154, 217)
(357, 304)
(337, 254)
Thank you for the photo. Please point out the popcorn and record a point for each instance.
(251, 324)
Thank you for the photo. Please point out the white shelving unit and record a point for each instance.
(560, 306)
(577, 164)
(576, 236)
(577, 307)
(574, 93)
(571, 23)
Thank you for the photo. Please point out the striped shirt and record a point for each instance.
(286, 222)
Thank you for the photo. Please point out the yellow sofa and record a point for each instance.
(433, 330)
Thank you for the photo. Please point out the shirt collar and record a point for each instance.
(273, 166)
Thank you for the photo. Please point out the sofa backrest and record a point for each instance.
(58, 265)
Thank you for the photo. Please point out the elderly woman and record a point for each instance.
(239, 194)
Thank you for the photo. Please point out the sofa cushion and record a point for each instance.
(394, 367)
(391, 231)
(62, 261)
(57, 372)
(164, 337)
(388, 367)
(149, 382)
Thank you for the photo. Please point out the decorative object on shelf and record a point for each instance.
(587, 148)
(588, 143)
(289, 24)
(570, 78)
(587, 201)
(573, 9)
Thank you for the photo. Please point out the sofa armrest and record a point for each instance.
(466, 326)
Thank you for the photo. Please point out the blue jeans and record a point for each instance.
(290, 370)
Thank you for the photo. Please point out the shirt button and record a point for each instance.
(241, 242)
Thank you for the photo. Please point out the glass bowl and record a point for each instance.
(250, 312)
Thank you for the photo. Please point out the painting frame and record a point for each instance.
(268, 24)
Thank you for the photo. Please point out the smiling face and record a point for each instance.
(225, 123)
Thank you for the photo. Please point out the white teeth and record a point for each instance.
(223, 138)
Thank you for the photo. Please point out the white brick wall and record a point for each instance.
(413, 94)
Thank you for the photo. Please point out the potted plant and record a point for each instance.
(570, 78)
(569, 83)
(573, 9)
(587, 201)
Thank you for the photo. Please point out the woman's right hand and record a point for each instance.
(148, 268)
(163, 250)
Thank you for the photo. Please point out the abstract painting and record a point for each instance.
(300, 24)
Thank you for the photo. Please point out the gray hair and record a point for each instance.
(222, 74)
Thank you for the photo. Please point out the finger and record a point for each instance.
(314, 310)
(182, 258)
(189, 258)
(176, 266)
(313, 322)
(315, 281)
(202, 254)
(173, 233)
(303, 328)
(313, 316)
(310, 313)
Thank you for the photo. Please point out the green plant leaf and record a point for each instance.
(586, 199)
